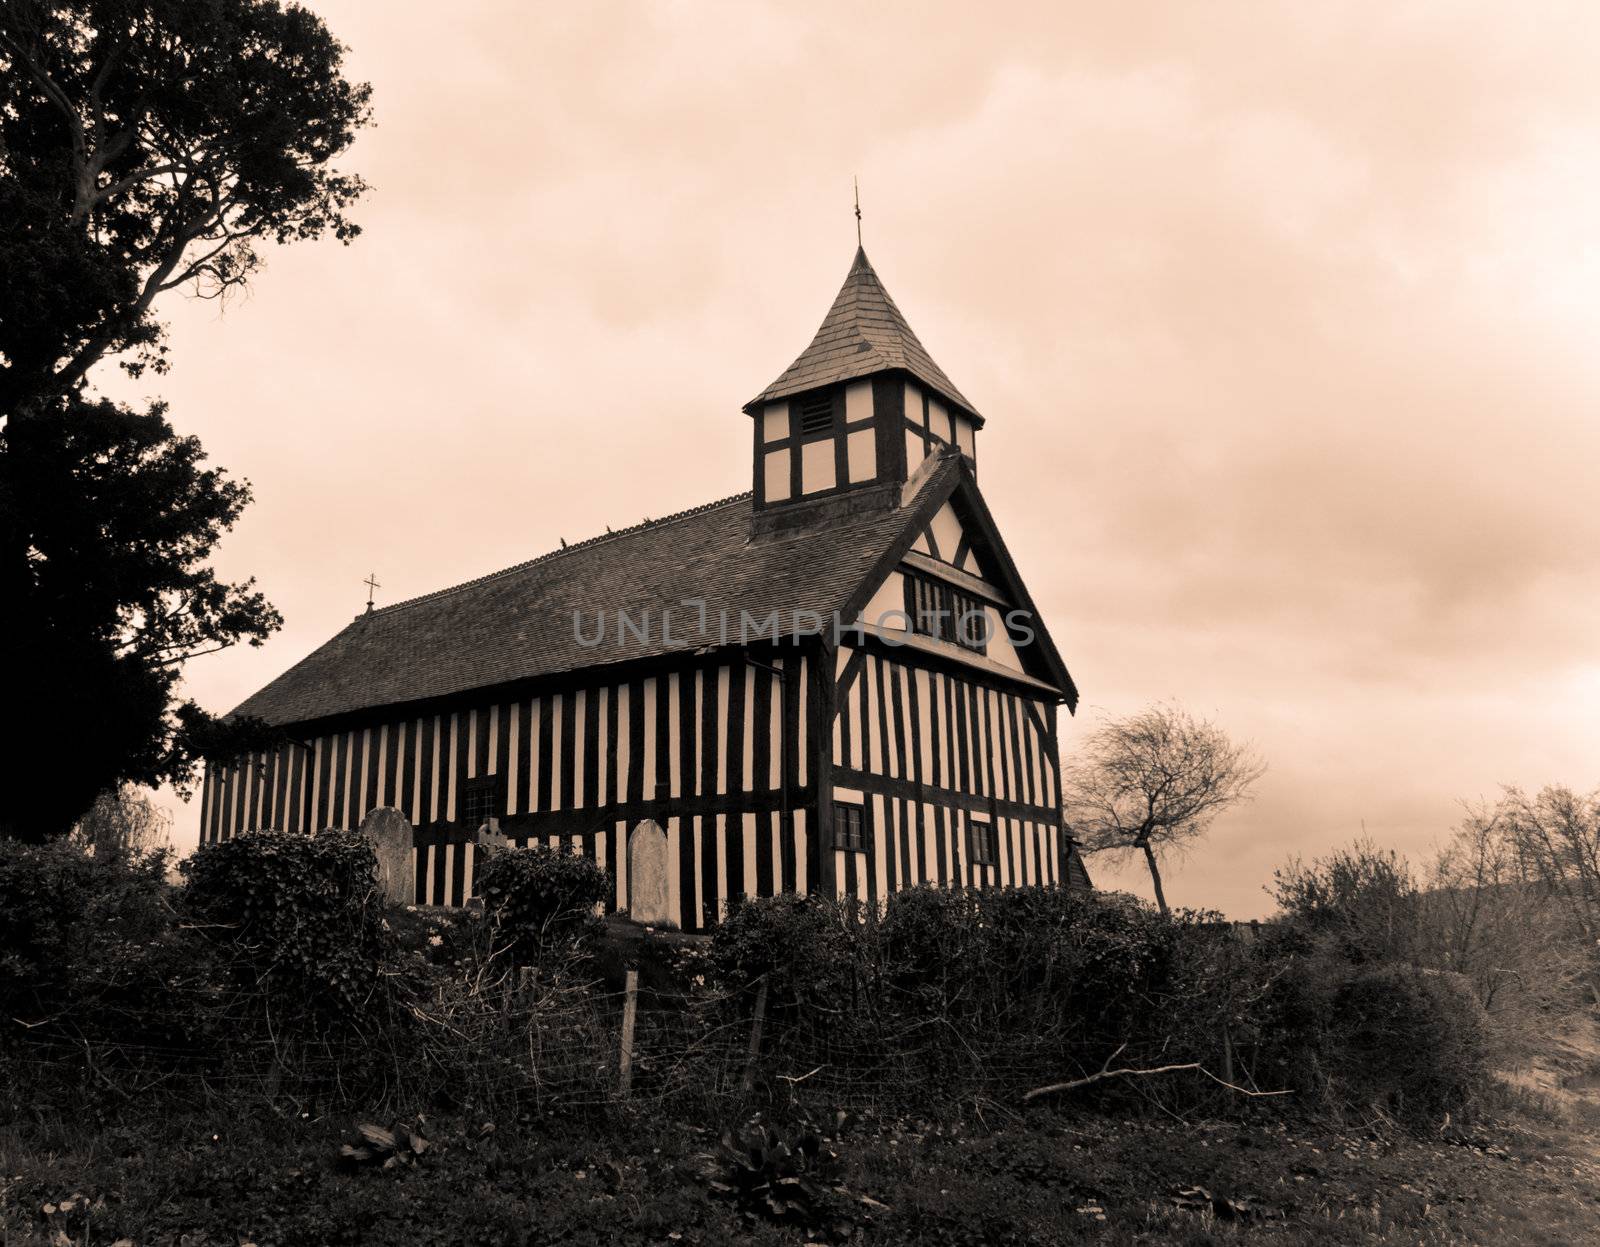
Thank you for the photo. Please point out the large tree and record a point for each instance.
(145, 146)
(1151, 784)
(117, 517)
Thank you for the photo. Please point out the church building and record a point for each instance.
(835, 681)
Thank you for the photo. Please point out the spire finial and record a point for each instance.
(857, 186)
(372, 587)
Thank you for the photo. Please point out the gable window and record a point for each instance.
(983, 843)
(816, 414)
(849, 822)
(481, 800)
(942, 611)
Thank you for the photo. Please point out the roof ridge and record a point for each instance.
(588, 543)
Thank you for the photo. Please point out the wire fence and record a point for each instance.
(541, 1040)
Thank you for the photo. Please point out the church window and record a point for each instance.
(849, 822)
(816, 414)
(983, 844)
(945, 613)
(481, 800)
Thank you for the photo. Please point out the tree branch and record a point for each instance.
(1106, 1072)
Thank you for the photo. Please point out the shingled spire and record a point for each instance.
(863, 333)
(857, 415)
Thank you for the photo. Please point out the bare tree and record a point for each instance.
(1151, 783)
(123, 823)
(1554, 839)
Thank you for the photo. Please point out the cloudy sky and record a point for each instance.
(1283, 317)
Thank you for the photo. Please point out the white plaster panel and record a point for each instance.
(775, 466)
(817, 470)
(858, 401)
(861, 453)
(775, 422)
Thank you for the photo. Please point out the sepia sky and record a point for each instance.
(1283, 317)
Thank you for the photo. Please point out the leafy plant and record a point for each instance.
(70, 921)
(300, 916)
(778, 1174)
(1411, 1042)
(803, 946)
(382, 1148)
(538, 900)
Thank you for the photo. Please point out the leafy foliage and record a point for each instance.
(539, 900)
(803, 949)
(301, 917)
(147, 146)
(68, 918)
(123, 823)
(780, 1174)
(946, 991)
(1363, 901)
(1411, 1042)
(107, 521)
(1504, 904)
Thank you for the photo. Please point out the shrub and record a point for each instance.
(1362, 903)
(946, 990)
(67, 919)
(92, 962)
(540, 900)
(782, 1174)
(1411, 1042)
(806, 949)
(299, 916)
(926, 948)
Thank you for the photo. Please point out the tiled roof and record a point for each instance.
(519, 623)
(862, 333)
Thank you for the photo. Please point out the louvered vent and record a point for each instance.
(816, 414)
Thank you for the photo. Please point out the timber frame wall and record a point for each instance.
(580, 759)
(931, 750)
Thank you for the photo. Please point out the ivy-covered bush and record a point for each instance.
(300, 917)
(539, 901)
(806, 950)
(1412, 1042)
(926, 947)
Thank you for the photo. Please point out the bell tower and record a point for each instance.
(855, 415)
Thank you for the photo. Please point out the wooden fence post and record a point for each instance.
(630, 1005)
(755, 1036)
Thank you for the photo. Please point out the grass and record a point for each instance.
(630, 1177)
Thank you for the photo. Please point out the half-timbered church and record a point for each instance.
(833, 681)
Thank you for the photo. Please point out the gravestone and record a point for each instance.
(647, 876)
(490, 839)
(389, 833)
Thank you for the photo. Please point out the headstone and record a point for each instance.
(389, 833)
(490, 839)
(647, 876)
